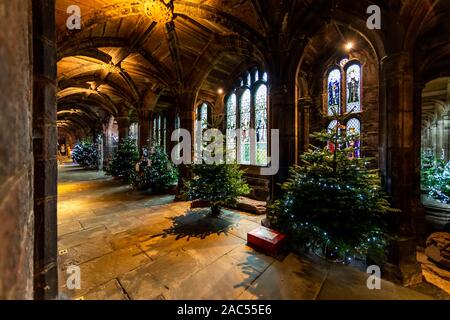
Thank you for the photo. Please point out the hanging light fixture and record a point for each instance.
(160, 11)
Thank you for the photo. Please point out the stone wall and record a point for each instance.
(16, 163)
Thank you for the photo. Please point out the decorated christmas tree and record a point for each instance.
(332, 202)
(124, 160)
(85, 153)
(219, 184)
(155, 172)
(435, 177)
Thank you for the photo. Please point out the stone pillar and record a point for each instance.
(304, 108)
(123, 123)
(186, 109)
(283, 117)
(44, 150)
(171, 114)
(16, 158)
(402, 155)
(144, 118)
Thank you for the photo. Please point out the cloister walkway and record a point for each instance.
(131, 245)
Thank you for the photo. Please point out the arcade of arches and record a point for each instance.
(256, 64)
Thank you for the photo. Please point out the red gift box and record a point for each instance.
(266, 240)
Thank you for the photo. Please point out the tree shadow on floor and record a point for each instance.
(197, 224)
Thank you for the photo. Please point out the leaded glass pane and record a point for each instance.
(265, 77)
(245, 127)
(354, 129)
(204, 116)
(353, 88)
(231, 128)
(256, 75)
(334, 92)
(261, 125)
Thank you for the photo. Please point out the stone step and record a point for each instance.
(243, 204)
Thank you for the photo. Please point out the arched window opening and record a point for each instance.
(353, 88)
(202, 119)
(261, 125)
(247, 113)
(231, 107)
(348, 79)
(334, 92)
(245, 116)
(160, 131)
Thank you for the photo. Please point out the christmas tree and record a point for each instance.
(124, 160)
(85, 154)
(435, 177)
(219, 184)
(332, 202)
(155, 172)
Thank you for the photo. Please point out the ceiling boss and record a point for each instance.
(160, 11)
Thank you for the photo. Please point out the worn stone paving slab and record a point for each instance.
(109, 291)
(156, 278)
(142, 285)
(105, 268)
(293, 278)
(243, 227)
(245, 255)
(211, 248)
(224, 279)
(69, 227)
(77, 238)
(84, 252)
(347, 283)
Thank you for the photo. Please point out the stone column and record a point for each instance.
(171, 114)
(402, 150)
(283, 117)
(44, 150)
(304, 108)
(186, 109)
(123, 123)
(144, 118)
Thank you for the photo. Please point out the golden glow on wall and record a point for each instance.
(160, 11)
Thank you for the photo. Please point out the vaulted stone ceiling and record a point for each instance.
(120, 59)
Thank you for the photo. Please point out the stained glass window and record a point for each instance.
(177, 121)
(334, 92)
(204, 116)
(261, 125)
(231, 127)
(353, 128)
(353, 83)
(156, 130)
(164, 133)
(245, 114)
(332, 129)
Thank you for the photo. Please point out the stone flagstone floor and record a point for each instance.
(129, 245)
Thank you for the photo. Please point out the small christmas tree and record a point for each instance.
(156, 172)
(124, 160)
(219, 184)
(332, 202)
(435, 177)
(85, 153)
